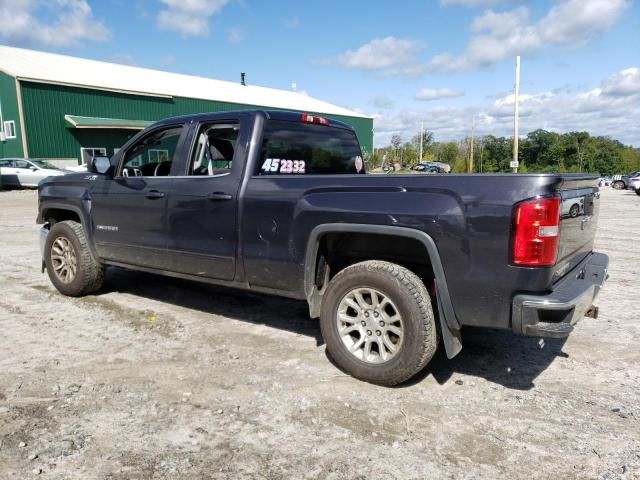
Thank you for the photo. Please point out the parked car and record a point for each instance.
(425, 168)
(604, 181)
(572, 206)
(620, 182)
(634, 184)
(432, 167)
(21, 172)
(280, 202)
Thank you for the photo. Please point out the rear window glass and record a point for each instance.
(295, 149)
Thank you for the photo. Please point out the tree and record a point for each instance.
(427, 142)
(447, 152)
(409, 154)
(535, 149)
(396, 140)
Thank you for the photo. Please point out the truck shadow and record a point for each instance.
(497, 356)
(261, 309)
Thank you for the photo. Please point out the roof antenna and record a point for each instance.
(242, 82)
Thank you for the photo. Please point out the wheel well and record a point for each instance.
(340, 249)
(55, 215)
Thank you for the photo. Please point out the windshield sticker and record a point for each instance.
(358, 164)
(277, 165)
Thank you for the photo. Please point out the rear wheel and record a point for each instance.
(70, 264)
(618, 185)
(377, 321)
(637, 191)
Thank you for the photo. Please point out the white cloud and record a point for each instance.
(235, 35)
(189, 17)
(292, 23)
(611, 109)
(71, 23)
(624, 83)
(382, 101)
(429, 94)
(500, 36)
(168, 60)
(387, 56)
(123, 59)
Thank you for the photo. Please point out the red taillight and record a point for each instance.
(537, 224)
(314, 119)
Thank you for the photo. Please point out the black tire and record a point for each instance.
(408, 293)
(637, 191)
(89, 274)
(574, 210)
(618, 185)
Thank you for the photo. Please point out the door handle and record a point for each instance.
(154, 194)
(219, 196)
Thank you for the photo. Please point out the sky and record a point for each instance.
(446, 64)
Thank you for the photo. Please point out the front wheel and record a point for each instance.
(618, 185)
(70, 264)
(377, 322)
(637, 191)
(574, 210)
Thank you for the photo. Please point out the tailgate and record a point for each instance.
(578, 222)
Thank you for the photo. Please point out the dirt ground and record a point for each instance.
(154, 378)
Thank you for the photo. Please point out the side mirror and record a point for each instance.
(32, 168)
(100, 165)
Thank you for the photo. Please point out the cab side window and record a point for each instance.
(214, 151)
(152, 155)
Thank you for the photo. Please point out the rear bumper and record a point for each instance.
(555, 314)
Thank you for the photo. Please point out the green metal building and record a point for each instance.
(66, 109)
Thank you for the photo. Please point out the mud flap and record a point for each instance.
(450, 337)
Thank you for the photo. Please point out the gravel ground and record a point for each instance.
(154, 378)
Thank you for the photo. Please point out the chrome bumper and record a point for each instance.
(555, 314)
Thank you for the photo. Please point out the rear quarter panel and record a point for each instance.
(468, 216)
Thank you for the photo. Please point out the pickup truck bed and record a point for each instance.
(279, 202)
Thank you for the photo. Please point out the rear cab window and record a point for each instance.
(299, 149)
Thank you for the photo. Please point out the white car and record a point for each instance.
(634, 184)
(573, 207)
(20, 172)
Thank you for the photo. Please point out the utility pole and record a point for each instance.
(473, 126)
(421, 138)
(514, 165)
(481, 154)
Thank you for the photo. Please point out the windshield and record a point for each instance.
(43, 164)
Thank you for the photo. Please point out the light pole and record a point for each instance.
(514, 164)
(421, 138)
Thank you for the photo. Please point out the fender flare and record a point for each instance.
(450, 326)
(82, 215)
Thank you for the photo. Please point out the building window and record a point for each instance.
(88, 153)
(158, 155)
(10, 129)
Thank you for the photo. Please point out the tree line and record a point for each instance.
(541, 151)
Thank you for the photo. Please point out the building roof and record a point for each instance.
(37, 66)
(76, 121)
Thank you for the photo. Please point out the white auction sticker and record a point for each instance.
(287, 167)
